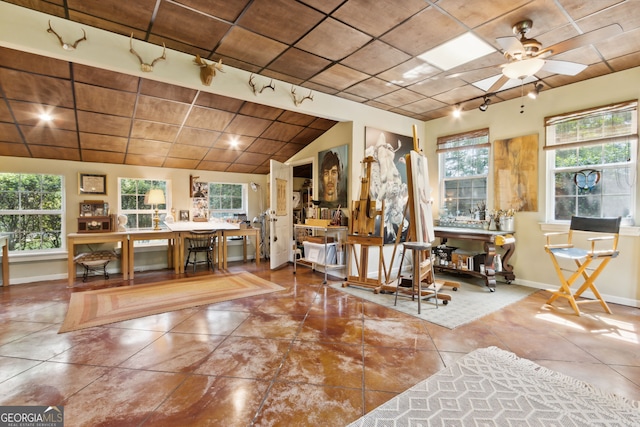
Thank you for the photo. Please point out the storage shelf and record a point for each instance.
(339, 234)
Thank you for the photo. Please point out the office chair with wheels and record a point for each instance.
(605, 232)
(201, 241)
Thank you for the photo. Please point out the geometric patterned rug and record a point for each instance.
(493, 387)
(99, 307)
(470, 302)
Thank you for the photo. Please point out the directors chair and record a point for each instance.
(605, 233)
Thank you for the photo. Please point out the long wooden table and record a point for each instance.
(175, 233)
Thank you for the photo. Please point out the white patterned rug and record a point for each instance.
(493, 387)
(470, 302)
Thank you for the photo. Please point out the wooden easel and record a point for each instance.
(362, 234)
(425, 268)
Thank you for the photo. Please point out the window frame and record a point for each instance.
(152, 184)
(552, 147)
(478, 139)
(219, 213)
(40, 212)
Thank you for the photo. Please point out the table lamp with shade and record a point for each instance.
(154, 198)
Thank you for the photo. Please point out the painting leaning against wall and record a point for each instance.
(389, 179)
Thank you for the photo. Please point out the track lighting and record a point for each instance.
(457, 111)
(485, 104)
(535, 91)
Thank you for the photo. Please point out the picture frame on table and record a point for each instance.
(92, 183)
(184, 215)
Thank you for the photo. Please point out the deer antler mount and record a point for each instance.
(147, 68)
(297, 101)
(208, 71)
(257, 91)
(67, 46)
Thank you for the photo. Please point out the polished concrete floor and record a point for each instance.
(307, 356)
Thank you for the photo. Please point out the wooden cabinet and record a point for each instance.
(95, 217)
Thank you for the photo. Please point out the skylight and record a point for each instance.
(458, 51)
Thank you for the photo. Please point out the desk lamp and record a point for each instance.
(154, 198)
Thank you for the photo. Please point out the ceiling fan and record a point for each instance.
(526, 56)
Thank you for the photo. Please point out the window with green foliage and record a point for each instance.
(226, 200)
(592, 162)
(131, 196)
(464, 166)
(31, 210)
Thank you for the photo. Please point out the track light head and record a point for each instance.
(485, 104)
(533, 94)
(457, 111)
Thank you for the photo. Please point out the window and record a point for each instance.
(464, 166)
(131, 195)
(227, 200)
(592, 162)
(31, 209)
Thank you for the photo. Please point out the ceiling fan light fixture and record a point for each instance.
(522, 69)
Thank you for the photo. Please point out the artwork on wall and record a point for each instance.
(421, 191)
(92, 184)
(281, 202)
(515, 162)
(389, 179)
(333, 173)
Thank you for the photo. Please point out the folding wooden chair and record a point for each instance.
(606, 230)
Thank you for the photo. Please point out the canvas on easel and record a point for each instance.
(421, 209)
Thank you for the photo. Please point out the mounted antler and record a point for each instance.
(67, 46)
(255, 89)
(208, 71)
(297, 101)
(147, 68)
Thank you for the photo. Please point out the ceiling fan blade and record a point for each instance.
(498, 84)
(591, 37)
(563, 67)
(510, 44)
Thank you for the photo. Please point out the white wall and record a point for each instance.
(620, 281)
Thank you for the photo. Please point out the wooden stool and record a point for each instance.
(422, 268)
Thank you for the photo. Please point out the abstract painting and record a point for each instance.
(515, 164)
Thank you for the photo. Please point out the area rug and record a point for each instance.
(470, 302)
(103, 306)
(493, 387)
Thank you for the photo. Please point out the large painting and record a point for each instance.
(334, 170)
(389, 179)
(515, 162)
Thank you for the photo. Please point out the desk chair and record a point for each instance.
(605, 231)
(201, 241)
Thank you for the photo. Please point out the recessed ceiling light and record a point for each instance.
(458, 51)
(46, 117)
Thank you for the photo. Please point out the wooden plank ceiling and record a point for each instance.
(365, 51)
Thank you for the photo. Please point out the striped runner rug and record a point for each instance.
(103, 306)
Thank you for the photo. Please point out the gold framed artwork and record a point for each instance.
(281, 202)
(92, 184)
(515, 164)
